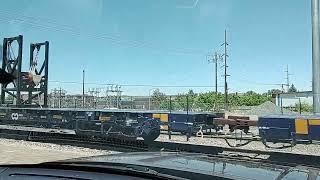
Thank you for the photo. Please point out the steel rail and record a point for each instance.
(125, 145)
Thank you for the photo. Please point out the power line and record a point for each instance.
(83, 76)
(38, 18)
(258, 83)
(242, 78)
(132, 85)
(52, 26)
(194, 4)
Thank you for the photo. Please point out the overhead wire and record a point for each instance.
(133, 85)
(2, 11)
(260, 83)
(51, 25)
(76, 33)
(54, 26)
(243, 79)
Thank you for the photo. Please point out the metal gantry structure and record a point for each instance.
(12, 63)
(113, 96)
(57, 97)
(95, 94)
(36, 89)
(29, 87)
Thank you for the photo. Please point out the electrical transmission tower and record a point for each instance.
(57, 97)
(287, 78)
(113, 95)
(94, 94)
(225, 44)
(96, 97)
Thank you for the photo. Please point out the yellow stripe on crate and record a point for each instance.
(164, 117)
(314, 122)
(301, 126)
(158, 116)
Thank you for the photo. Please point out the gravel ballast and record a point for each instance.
(27, 152)
(19, 151)
(311, 149)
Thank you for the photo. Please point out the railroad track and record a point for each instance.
(279, 158)
(235, 136)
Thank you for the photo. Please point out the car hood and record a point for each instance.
(199, 163)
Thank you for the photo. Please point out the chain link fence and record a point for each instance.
(183, 100)
(178, 102)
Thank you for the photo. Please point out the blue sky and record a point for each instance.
(165, 42)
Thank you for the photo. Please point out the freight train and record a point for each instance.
(287, 130)
(132, 124)
(121, 124)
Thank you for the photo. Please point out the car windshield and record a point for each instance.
(216, 78)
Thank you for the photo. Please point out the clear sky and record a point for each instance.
(165, 42)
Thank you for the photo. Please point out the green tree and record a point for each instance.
(274, 91)
(209, 101)
(305, 107)
(204, 101)
(250, 93)
(249, 98)
(180, 102)
(159, 99)
(292, 89)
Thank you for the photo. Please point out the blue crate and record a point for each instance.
(181, 122)
(276, 127)
(314, 132)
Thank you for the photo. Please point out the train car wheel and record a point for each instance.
(246, 130)
(231, 128)
(150, 137)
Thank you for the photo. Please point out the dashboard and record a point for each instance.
(48, 174)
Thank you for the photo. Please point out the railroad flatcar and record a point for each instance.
(280, 128)
(84, 122)
(105, 123)
(236, 122)
(185, 122)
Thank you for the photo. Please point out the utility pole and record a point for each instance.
(214, 60)
(287, 78)
(60, 97)
(315, 56)
(216, 71)
(282, 88)
(131, 102)
(83, 74)
(225, 71)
